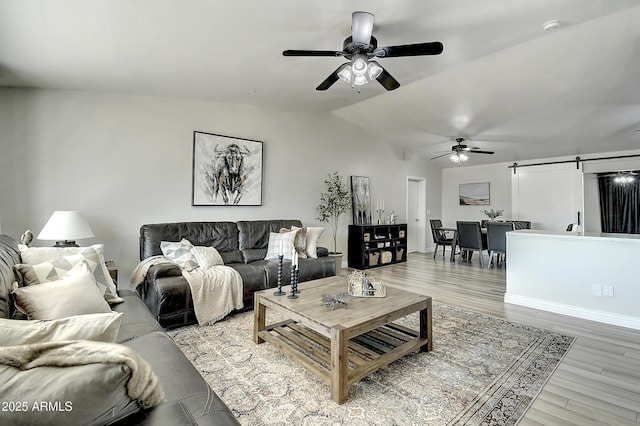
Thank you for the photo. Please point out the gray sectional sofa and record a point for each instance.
(189, 399)
(242, 245)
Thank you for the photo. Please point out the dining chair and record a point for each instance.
(440, 237)
(470, 239)
(497, 240)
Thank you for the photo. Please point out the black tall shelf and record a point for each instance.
(377, 245)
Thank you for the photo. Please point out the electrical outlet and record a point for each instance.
(608, 291)
(596, 290)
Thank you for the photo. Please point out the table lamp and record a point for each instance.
(65, 227)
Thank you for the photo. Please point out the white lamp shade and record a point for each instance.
(66, 225)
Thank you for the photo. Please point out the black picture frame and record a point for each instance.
(361, 200)
(227, 171)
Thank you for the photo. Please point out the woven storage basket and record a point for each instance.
(373, 258)
(385, 256)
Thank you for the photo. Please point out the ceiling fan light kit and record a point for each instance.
(359, 49)
(460, 152)
(551, 25)
(459, 158)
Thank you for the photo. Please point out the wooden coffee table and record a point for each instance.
(343, 345)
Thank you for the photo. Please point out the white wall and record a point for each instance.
(126, 160)
(498, 176)
(559, 272)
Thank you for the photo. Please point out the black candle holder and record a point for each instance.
(294, 284)
(279, 292)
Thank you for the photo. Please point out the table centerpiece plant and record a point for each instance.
(493, 214)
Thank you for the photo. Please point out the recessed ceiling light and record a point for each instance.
(551, 25)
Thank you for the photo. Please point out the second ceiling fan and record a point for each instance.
(360, 48)
(460, 150)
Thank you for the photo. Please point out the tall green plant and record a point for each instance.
(333, 203)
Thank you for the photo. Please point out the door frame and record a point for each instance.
(421, 203)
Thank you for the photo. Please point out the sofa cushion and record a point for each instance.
(251, 255)
(93, 394)
(232, 256)
(179, 252)
(179, 378)
(255, 233)
(52, 263)
(281, 243)
(300, 242)
(137, 319)
(207, 256)
(221, 235)
(74, 295)
(101, 327)
(313, 235)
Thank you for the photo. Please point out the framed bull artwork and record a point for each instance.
(227, 171)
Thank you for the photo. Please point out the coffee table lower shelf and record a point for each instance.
(365, 353)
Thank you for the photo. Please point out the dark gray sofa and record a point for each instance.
(189, 399)
(242, 245)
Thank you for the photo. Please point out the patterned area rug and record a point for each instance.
(483, 371)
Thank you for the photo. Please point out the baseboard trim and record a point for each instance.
(574, 311)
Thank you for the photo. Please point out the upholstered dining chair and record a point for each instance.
(440, 237)
(497, 240)
(470, 239)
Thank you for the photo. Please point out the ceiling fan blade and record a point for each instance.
(333, 77)
(386, 79)
(440, 156)
(312, 53)
(418, 49)
(361, 27)
(479, 151)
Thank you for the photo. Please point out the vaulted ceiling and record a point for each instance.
(502, 82)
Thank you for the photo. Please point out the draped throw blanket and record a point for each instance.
(142, 386)
(215, 291)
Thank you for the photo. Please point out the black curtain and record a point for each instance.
(619, 205)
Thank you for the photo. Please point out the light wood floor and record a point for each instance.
(598, 381)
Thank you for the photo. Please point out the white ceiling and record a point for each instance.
(501, 81)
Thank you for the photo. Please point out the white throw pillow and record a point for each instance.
(102, 327)
(34, 255)
(207, 256)
(313, 235)
(75, 295)
(57, 268)
(280, 243)
(180, 253)
(94, 255)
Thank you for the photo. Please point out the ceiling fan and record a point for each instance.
(360, 48)
(460, 150)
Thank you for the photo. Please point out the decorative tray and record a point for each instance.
(372, 287)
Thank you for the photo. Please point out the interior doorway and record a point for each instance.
(416, 214)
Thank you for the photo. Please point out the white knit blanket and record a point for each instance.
(215, 291)
(142, 385)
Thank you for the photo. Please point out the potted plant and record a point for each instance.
(334, 202)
